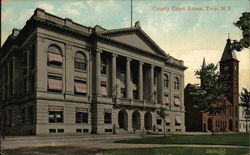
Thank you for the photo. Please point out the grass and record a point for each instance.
(177, 151)
(220, 139)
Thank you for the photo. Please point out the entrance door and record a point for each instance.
(123, 119)
(230, 125)
(136, 120)
(148, 121)
(209, 124)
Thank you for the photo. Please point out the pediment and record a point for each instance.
(138, 39)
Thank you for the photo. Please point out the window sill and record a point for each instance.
(55, 66)
(78, 70)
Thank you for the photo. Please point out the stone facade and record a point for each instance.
(60, 77)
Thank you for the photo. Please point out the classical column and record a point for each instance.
(128, 87)
(152, 82)
(113, 90)
(161, 86)
(98, 70)
(140, 82)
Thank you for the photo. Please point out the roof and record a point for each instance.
(228, 52)
(136, 36)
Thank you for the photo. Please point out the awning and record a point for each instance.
(81, 87)
(55, 84)
(55, 108)
(166, 100)
(177, 101)
(104, 91)
(54, 57)
(168, 120)
(178, 120)
(78, 109)
(108, 110)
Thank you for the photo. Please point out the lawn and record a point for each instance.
(219, 139)
(177, 151)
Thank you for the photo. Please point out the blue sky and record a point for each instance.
(186, 35)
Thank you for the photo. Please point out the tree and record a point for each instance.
(245, 103)
(162, 115)
(243, 24)
(208, 96)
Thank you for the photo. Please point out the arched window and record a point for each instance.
(103, 66)
(54, 56)
(176, 83)
(166, 81)
(80, 61)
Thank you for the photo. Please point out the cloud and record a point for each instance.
(7, 13)
(67, 9)
(24, 16)
(100, 6)
(140, 7)
(46, 6)
(77, 4)
(72, 8)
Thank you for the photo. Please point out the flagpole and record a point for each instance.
(131, 13)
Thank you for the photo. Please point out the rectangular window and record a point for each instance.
(166, 99)
(104, 89)
(80, 87)
(55, 114)
(107, 130)
(107, 116)
(11, 89)
(52, 130)
(54, 83)
(123, 92)
(158, 121)
(168, 121)
(81, 117)
(178, 121)
(78, 130)
(80, 65)
(177, 101)
(165, 83)
(10, 118)
(135, 94)
(24, 63)
(32, 57)
(32, 82)
(123, 77)
(6, 87)
(85, 130)
(54, 59)
(60, 130)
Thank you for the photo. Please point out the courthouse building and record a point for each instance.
(60, 77)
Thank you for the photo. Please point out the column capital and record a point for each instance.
(141, 63)
(114, 55)
(98, 50)
(129, 59)
(152, 66)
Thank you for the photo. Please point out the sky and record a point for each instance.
(186, 29)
